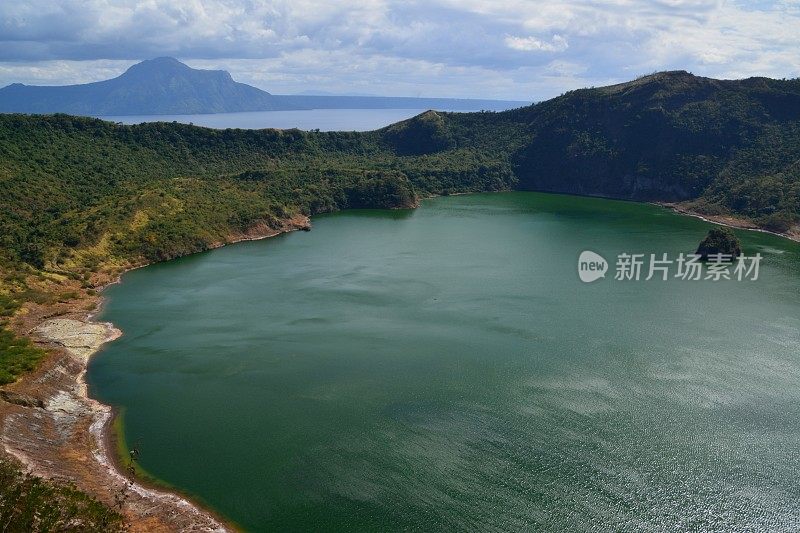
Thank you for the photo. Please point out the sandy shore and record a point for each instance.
(64, 434)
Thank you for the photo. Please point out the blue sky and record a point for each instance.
(517, 49)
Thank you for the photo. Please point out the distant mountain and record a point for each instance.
(157, 86)
(165, 86)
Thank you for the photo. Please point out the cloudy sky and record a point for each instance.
(516, 49)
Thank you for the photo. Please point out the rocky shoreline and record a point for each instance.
(729, 221)
(52, 427)
(65, 438)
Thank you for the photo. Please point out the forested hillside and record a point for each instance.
(732, 146)
(79, 192)
(720, 146)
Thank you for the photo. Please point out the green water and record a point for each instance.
(445, 369)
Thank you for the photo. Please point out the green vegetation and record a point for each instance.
(30, 504)
(732, 147)
(102, 193)
(7, 306)
(18, 355)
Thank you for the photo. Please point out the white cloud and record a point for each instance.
(532, 44)
(433, 47)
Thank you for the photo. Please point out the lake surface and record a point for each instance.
(445, 369)
(321, 119)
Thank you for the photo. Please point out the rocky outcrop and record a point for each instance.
(23, 400)
(720, 241)
(79, 339)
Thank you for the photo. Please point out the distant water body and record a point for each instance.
(322, 119)
(444, 369)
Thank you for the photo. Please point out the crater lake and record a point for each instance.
(445, 368)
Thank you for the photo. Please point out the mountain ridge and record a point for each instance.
(716, 147)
